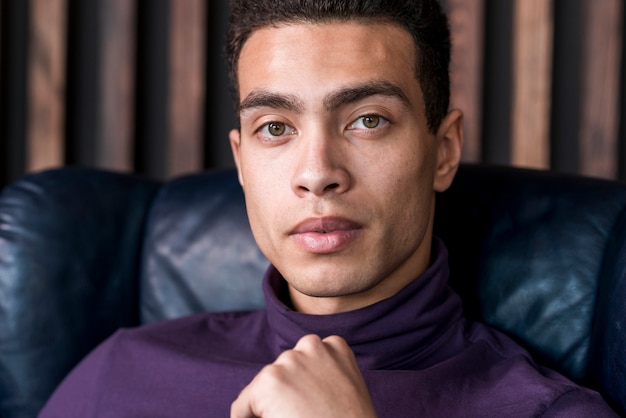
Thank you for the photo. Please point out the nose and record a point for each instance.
(320, 167)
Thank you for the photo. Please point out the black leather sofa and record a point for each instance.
(82, 252)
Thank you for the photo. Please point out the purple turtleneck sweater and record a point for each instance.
(418, 355)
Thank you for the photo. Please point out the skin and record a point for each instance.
(340, 172)
(297, 384)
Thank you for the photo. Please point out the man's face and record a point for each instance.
(336, 161)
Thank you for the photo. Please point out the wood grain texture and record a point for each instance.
(170, 49)
(601, 81)
(1, 75)
(466, 27)
(187, 85)
(117, 87)
(46, 84)
(532, 53)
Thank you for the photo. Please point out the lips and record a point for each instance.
(325, 235)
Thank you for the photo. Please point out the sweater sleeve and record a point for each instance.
(77, 395)
(579, 403)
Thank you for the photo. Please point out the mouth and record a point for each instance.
(325, 235)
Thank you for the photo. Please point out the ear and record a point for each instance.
(235, 145)
(449, 146)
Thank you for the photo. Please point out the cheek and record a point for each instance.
(409, 198)
(259, 225)
(263, 204)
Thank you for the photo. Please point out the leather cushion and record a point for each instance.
(199, 251)
(528, 253)
(69, 250)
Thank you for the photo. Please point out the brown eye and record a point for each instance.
(276, 128)
(371, 121)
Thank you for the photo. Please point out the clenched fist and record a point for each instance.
(317, 378)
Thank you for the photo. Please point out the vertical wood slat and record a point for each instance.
(187, 85)
(13, 89)
(466, 26)
(566, 86)
(46, 80)
(497, 82)
(1, 81)
(115, 135)
(600, 97)
(3, 147)
(219, 114)
(532, 53)
(151, 119)
(43, 142)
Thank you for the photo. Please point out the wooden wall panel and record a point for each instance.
(13, 133)
(497, 82)
(532, 53)
(134, 85)
(219, 115)
(115, 136)
(602, 46)
(2, 145)
(46, 80)
(187, 85)
(566, 86)
(152, 145)
(466, 26)
(1, 63)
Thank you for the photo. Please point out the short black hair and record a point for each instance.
(423, 19)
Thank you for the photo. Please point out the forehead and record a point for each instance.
(324, 55)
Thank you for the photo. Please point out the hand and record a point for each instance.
(317, 378)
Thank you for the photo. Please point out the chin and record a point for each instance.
(333, 285)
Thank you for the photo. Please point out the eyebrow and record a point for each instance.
(333, 101)
(353, 94)
(262, 98)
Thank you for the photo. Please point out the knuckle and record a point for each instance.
(273, 376)
(337, 342)
(308, 342)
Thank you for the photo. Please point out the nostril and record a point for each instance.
(332, 186)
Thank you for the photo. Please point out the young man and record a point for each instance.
(345, 139)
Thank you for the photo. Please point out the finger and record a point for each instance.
(314, 344)
(346, 360)
(340, 350)
(310, 342)
(242, 406)
(338, 343)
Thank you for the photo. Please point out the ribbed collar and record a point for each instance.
(419, 326)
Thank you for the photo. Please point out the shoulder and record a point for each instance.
(142, 357)
(579, 403)
(523, 379)
(195, 326)
(197, 336)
